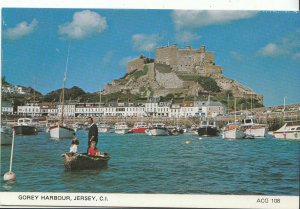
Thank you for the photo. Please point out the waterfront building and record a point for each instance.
(189, 109)
(153, 107)
(48, 109)
(69, 110)
(7, 108)
(210, 108)
(29, 109)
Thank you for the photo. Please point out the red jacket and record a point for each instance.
(92, 151)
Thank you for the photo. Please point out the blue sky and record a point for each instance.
(259, 49)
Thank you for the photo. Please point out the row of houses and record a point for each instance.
(150, 108)
(13, 89)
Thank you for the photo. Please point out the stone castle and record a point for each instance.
(173, 71)
(182, 61)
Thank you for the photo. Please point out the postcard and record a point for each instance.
(163, 106)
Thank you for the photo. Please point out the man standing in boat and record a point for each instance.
(93, 131)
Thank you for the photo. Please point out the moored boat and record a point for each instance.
(251, 127)
(290, 130)
(82, 161)
(139, 127)
(207, 128)
(25, 127)
(6, 135)
(121, 128)
(232, 131)
(103, 128)
(61, 131)
(157, 129)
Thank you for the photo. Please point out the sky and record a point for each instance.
(261, 50)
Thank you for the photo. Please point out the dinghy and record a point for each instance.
(82, 161)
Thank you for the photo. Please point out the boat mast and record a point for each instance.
(234, 109)
(63, 89)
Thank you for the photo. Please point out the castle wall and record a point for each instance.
(135, 64)
(166, 55)
(168, 80)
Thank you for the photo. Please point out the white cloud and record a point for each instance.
(84, 24)
(124, 61)
(186, 22)
(287, 45)
(195, 19)
(186, 36)
(143, 42)
(270, 49)
(22, 29)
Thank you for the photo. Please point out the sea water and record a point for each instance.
(165, 164)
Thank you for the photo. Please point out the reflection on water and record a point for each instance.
(144, 164)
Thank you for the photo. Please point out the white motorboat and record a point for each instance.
(233, 131)
(252, 128)
(121, 128)
(157, 129)
(290, 130)
(6, 135)
(103, 128)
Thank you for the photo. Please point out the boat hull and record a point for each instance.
(104, 129)
(207, 131)
(60, 132)
(121, 131)
(233, 134)
(6, 138)
(25, 130)
(75, 161)
(256, 132)
(287, 135)
(159, 132)
(138, 130)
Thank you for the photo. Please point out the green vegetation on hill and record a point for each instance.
(139, 73)
(208, 84)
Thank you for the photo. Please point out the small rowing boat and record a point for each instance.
(82, 161)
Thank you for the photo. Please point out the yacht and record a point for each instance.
(290, 130)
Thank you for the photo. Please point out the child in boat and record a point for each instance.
(74, 145)
(93, 149)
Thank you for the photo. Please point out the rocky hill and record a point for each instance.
(189, 78)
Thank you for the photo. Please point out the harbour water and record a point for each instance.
(145, 164)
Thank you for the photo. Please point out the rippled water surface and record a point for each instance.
(145, 164)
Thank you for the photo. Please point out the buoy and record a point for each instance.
(10, 176)
(187, 141)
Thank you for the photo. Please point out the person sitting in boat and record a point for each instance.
(74, 145)
(93, 149)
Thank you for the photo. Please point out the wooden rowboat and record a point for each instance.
(82, 161)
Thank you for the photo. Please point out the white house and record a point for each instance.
(30, 109)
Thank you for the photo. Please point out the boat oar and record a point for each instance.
(10, 176)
